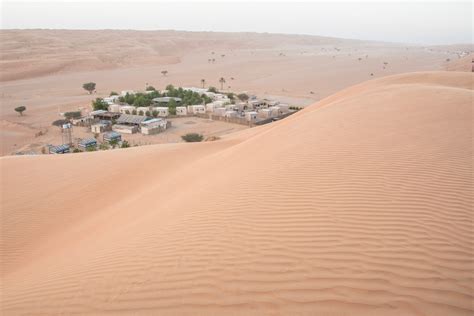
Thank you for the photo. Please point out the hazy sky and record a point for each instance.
(427, 22)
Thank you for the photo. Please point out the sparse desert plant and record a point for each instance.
(113, 143)
(20, 109)
(113, 93)
(76, 150)
(125, 144)
(192, 137)
(89, 87)
(127, 112)
(164, 72)
(104, 146)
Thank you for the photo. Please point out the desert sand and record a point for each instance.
(360, 204)
(44, 69)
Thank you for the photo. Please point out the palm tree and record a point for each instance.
(164, 72)
(222, 81)
(203, 82)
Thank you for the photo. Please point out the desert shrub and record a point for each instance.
(72, 115)
(192, 137)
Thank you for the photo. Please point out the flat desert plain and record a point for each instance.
(44, 70)
(360, 204)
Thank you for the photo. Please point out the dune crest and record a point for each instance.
(360, 204)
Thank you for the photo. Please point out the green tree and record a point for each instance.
(243, 97)
(172, 107)
(113, 93)
(231, 95)
(192, 137)
(142, 101)
(127, 112)
(129, 98)
(155, 113)
(213, 89)
(20, 110)
(125, 144)
(100, 104)
(141, 113)
(150, 88)
(134, 112)
(89, 86)
(203, 82)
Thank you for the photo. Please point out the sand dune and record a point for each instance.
(358, 205)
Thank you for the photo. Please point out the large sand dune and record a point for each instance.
(358, 205)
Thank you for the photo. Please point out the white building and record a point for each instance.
(219, 111)
(114, 108)
(196, 109)
(125, 108)
(181, 110)
(251, 116)
(111, 100)
(265, 113)
(100, 127)
(125, 129)
(275, 111)
(210, 107)
(230, 114)
(141, 110)
(163, 111)
(153, 126)
(284, 108)
(124, 92)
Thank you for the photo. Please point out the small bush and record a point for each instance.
(192, 137)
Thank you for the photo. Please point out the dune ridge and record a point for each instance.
(358, 205)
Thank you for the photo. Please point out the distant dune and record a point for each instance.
(358, 205)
